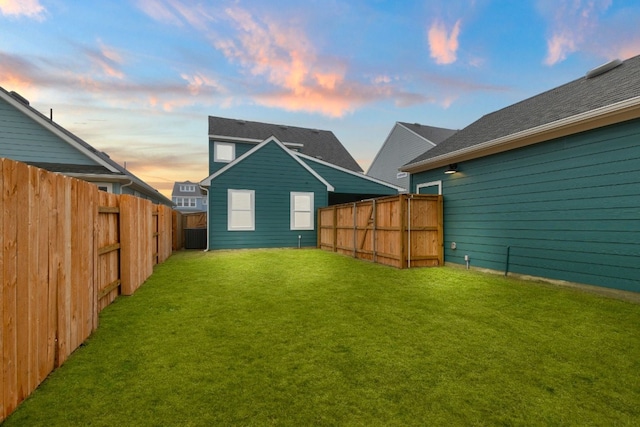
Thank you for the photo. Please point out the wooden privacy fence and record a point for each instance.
(402, 231)
(66, 251)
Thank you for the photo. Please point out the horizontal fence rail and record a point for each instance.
(67, 250)
(402, 231)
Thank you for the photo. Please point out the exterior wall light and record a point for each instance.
(453, 168)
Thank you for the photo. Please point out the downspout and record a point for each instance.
(126, 185)
(207, 198)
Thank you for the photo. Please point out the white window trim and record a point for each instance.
(252, 208)
(293, 211)
(430, 184)
(188, 188)
(217, 159)
(186, 202)
(108, 185)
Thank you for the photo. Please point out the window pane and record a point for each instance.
(303, 219)
(224, 152)
(241, 219)
(240, 201)
(302, 203)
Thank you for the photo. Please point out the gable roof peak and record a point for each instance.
(312, 141)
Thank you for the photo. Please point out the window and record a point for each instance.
(204, 201)
(240, 210)
(188, 202)
(224, 152)
(302, 211)
(434, 187)
(188, 188)
(105, 186)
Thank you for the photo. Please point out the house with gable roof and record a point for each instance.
(405, 142)
(547, 187)
(267, 181)
(28, 136)
(189, 197)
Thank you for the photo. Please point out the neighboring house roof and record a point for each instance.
(304, 160)
(606, 95)
(105, 170)
(177, 193)
(432, 134)
(404, 142)
(321, 144)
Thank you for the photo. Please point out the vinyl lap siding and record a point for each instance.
(568, 209)
(273, 175)
(24, 140)
(241, 148)
(401, 147)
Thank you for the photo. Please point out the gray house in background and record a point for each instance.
(405, 142)
(30, 137)
(189, 197)
(549, 186)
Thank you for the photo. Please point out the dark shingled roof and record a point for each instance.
(321, 144)
(576, 97)
(433, 134)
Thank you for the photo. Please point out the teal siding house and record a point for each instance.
(30, 137)
(547, 187)
(264, 193)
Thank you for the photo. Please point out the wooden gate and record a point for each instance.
(402, 231)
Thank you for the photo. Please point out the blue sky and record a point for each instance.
(137, 79)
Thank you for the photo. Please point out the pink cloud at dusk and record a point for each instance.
(29, 8)
(572, 23)
(442, 43)
(285, 69)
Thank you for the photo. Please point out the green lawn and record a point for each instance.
(304, 337)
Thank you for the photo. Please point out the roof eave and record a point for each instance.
(628, 109)
(30, 112)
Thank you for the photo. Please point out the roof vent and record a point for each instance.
(283, 127)
(315, 131)
(19, 97)
(241, 122)
(603, 68)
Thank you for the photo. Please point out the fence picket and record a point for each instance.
(385, 230)
(54, 269)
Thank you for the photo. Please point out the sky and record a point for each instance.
(137, 79)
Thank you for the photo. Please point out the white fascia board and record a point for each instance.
(359, 175)
(587, 116)
(207, 181)
(27, 110)
(417, 134)
(101, 177)
(251, 140)
(235, 138)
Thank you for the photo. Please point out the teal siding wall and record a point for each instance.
(241, 148)
(568, 209)
(273, 175)
(21, 138)
(347, 183)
